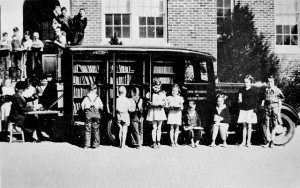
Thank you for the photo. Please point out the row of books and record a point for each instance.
(122, 68)
(86, 68)
(121, 79)
(163, 69)
(80, 92)
(84, 79)
(164, 80)
(76, 107)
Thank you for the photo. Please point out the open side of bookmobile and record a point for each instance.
(111, 67)
(111, 70)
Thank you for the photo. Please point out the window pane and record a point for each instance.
(227, 12)
(117, 19)
(151, 32)
(159, 32)
(142, 32)
(150, 20)
(287, 39)
(219, 3)
(227, 3)
(118, 30)
(126, 32)
(142, 20)
(108, 32)
(159, 21)
(126, 19)
(219, 12)
(279, 29)
(108, 19)
(286, 29)
(278, 39)
(294, 40)
(294, 29)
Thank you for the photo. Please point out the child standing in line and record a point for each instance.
(92, 105)
(156, 113)
(123, 108)
(7, 91)
(192, 125)
(175, 104)
(272, 103)
(248, 103)
(136, 117)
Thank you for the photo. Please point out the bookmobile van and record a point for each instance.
(137, 66)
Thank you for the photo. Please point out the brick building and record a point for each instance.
(183, 23)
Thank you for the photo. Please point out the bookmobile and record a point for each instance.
(137, 66)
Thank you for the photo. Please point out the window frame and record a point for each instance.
(122, 25)
(136, 12)
(284, 34)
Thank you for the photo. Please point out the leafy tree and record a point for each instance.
(114, 39)
(241, 50)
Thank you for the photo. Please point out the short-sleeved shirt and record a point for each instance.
(123, 107)
(93, 100)
(249, 99)
(273, 95)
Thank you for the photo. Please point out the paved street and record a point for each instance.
(63, 165)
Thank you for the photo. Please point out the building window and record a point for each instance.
(286, 35)
(119, 23)
(151, 27)
(224, 8)
(117, 18)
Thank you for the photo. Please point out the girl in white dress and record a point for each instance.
(7, 90)
(156, 113)
(175, 104)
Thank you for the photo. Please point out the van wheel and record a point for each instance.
(285, 132)
(112, 131)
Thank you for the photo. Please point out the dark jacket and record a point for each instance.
(225, 114)
(79, 24)
(18, 106)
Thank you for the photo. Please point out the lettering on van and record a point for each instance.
(196, 98)
(196, 91)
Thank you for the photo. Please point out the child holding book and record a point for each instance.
(123, 108)
(192, 125)
(272, 103)
(156, 113)
(248, 103)
(175, 105)
(92, 105)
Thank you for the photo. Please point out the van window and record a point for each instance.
(195, 72)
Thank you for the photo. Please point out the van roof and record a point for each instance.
(143, 49)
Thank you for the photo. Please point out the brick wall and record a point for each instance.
(93, 13)
(193, 24)
(264, 12)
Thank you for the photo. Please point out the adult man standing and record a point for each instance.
(80, 22)
(66, 24)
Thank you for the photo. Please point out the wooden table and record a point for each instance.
(46, 118)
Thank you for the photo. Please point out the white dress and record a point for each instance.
(6, 107)
(157, 113)
(175, 115)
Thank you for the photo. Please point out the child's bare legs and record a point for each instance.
(176, 134)
(244, 134)
(249, 134)
(214, 135)
(156, 133)
(223, 133)
(124, 135)
(172, 135)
